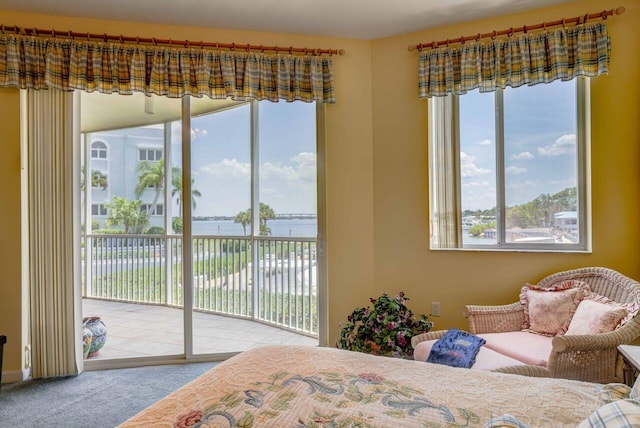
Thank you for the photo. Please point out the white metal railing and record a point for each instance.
(280, 289)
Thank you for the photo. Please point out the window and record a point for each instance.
(508, 168)
(99, 180)
(159, 209)
(152, 155)
(98, 209)
(98, 150)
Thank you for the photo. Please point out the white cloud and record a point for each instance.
(477, 184)
(566, 144)
(485, 142)
(301, 170)
(522, 156)
(515, 170)
(229, 168)
(468, 167)
(197, 133)
(275, 170)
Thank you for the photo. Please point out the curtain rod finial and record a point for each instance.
(341, 52)
(411, 48)
(620, 10)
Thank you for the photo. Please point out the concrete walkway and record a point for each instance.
(136, 330)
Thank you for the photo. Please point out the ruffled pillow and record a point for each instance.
(632, 308)
(594, 317)
(548, 311)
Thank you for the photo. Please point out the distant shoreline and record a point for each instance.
(295, 216)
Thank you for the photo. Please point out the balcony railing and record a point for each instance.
(280, 288)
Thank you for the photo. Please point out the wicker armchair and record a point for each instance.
(592, 358)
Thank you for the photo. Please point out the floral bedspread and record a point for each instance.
(294, 386)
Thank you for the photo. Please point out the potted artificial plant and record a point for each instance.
(385, 329)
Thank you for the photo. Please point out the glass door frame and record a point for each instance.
(187, 238)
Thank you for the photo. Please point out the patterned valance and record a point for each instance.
(526, 59)
(29, 62)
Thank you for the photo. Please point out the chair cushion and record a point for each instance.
(529, 348)
(548, 311)
(485, 360)
(595, 317)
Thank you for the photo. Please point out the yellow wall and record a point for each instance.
(377, 202)
(456, 278)
(10, 248)
(349, 162)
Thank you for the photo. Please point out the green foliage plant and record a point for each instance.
(386, 329)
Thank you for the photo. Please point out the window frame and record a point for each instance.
(147, 151)
(147, 207)
(100, 151)
(101, 208)
(437, 111)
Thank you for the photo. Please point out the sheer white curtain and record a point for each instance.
(55, 310)
(444, 164)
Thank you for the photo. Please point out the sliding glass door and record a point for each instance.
(201, 204)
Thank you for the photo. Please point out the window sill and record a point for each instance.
(517, 250)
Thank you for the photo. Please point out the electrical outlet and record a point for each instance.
(435, 309)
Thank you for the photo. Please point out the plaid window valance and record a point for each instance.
(526, 59)
(29, 62)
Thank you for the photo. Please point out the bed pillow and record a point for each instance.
(548, 311)
(619, 414)
(594, 317)
(505, 421)
(632, 308)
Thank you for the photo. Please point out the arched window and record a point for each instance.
(98, 150)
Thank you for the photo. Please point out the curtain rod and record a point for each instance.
(155, 41)
(578, 20)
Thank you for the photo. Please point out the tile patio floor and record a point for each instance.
(135, 330)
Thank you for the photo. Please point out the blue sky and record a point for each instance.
(221, 164)
(540, 143)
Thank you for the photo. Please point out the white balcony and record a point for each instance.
(141, 330)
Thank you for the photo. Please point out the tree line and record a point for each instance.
(130, 215)
(536, 213)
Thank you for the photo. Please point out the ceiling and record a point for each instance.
(358, 19)
(102, 112)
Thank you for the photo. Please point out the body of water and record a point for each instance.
(294, 228)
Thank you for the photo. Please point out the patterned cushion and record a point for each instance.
(548, 311)
(594, 317)
(635, 390)
(632, 308)
(615, 391)
(505, 421)
(618, 414)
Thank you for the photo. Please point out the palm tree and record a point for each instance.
(176, 191)
(151, 175)
(98, 179)
(244, 218)
(123, 212)
(266, 213)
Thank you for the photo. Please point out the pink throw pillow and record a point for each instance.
(632, 308)
(548, 311)
(595, 317)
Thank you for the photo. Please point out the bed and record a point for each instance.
(296, 386)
